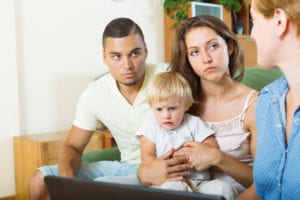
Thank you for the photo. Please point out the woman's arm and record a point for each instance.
(250, 124)
(249, 194)
(202, 157)
(240, 171)
(211, 141)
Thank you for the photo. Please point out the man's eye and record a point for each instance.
(135, 54)
(116, 57)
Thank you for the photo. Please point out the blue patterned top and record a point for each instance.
(276, 165)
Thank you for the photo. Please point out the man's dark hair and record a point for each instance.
(121, 27)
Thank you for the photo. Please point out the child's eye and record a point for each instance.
(158, 109)
(172, 108)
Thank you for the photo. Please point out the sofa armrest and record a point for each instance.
(257, 77)
(103, 154)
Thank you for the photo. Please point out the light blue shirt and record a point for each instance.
(276, 165)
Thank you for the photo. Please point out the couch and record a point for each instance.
(254, 77)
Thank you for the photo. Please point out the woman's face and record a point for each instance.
(207, 53)
(263, 34)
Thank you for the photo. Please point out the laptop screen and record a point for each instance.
(68, 188)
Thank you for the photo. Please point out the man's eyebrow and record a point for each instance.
(114, 53)
(136, 49)
(119, 53)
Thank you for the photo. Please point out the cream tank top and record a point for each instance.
(234, 140)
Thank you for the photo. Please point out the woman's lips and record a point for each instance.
(210, 69)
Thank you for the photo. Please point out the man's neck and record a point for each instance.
(130, 92)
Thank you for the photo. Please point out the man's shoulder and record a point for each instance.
(102, 76)
(101, 83)
(153, 69)
(157, 68)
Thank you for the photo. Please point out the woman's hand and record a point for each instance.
(201, 156)
(166, 167)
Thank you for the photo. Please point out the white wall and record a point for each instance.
(50, 50)
(9, 105)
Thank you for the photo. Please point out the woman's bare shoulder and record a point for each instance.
(246, 90)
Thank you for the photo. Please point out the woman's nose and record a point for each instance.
(206, 57)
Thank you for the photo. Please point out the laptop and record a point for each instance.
(62, 188)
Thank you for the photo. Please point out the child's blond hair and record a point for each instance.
(169, 85)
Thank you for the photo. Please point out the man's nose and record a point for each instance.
(126, 63)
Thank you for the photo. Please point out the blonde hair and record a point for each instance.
(167, 85)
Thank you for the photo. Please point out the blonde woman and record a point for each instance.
(276, 30)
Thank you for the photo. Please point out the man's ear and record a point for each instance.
(146, 50)
(281, 22)
(104, 56)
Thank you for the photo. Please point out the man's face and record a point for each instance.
(126, 59)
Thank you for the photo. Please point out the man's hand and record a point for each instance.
(165, 167)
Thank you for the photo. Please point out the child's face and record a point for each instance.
(169, 114)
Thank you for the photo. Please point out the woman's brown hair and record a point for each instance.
(179, 60)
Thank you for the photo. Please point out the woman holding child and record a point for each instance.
(208, 55)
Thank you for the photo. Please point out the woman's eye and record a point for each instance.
(194, 53)
(214, 46)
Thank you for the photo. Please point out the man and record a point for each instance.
(115, 100)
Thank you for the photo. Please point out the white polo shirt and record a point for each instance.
(102, 104)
